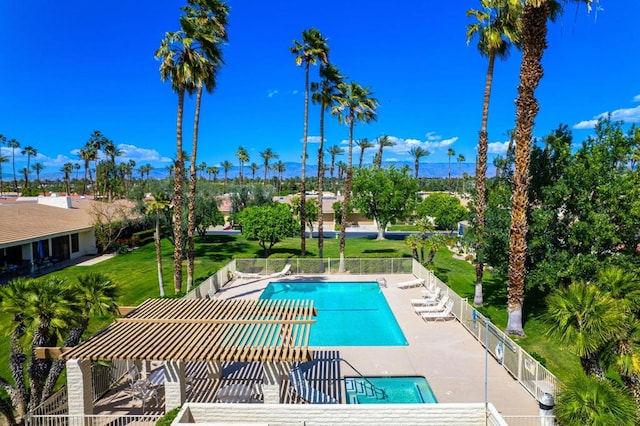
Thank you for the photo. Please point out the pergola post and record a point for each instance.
(272, 375)
(174, 385)
(79, 390)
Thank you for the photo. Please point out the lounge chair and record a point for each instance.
(442, 315)
(427, 300)
(285, 271)
(409, 284)
(303, 389)
(433, 308)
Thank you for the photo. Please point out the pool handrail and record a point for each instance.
(374, 388)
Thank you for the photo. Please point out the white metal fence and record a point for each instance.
(92, 420)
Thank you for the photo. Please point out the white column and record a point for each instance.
(272, 375)
(79, 388)
(174, 385)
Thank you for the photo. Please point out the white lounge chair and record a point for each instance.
(409, 284)
(248, 275)
(305, 391)
(442, 315)
(433, 308)
(427, 300)
(429, 289)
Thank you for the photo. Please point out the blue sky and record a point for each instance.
(69, 68)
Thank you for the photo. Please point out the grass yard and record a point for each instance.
(136, 275)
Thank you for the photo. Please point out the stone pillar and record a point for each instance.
(79, 390)
(174, 385)
(272, 375)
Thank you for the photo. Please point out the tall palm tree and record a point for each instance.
(267, 155)
(323, 94)
(215, 170)
(383, 141)
(38, 167)
(354, 103)
(13, 144)
(334, 151)
(67, 169)
(86, 154)
(3, 159)
(535, 15)
(461, 159)
(96, 143)
(243, 157)
(226, 166)
(157, 204)
(497, 29)
(205, 21)
(279, 168)
(178, 60)
(201, 168)
(312, 49)
(77, 167)
(111, 151)
(363, 144)
(417, 152)
(450, 153)
(254, 168)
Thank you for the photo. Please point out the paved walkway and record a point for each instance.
(97, 259)
(444, 352)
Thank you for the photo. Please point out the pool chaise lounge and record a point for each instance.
(441, 315)
(305, 391)
(439, 307)
(409, 284)
(285, 271)
(427, 300)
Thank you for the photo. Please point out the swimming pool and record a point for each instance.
(388, 390)
(349, 313)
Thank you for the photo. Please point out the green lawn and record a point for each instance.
(135, 274)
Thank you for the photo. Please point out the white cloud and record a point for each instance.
(313, 139)
(628, 115)
(132, 152)
(497, 147)
(57, 162)
(271, 93)
(636, 98)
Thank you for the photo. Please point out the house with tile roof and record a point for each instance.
(44, 230)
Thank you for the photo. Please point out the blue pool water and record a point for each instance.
(388, 390)
(349, 313)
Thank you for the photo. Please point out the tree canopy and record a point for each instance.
(445, 210)
(268, 224)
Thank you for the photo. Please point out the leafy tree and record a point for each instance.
(313, 212)
(268, 224)
(385, 195)
(243, 196)
(207, 214)
(446, 210)
(337, 212)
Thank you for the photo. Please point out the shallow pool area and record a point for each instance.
(349, 313)
(388, 390)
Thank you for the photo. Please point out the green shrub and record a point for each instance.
(142, 238)
(168, 418)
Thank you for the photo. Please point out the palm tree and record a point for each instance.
(267, 155)
(215, 170)
(226, 165)
(254, 168)
(25, 173)
(243, 157)
(38, 167)
(450, 153)
(13, 144)
(77, 167)
(311, 50)
(363, 144)
(204, 21)
(201, 168)
(497, 28)
(534, 42)
(323, 94)
(157, 204)
(178, 60)
(279, 168)
(3, 159)
(383, 141)
(353, 103)
(334, 151)
(461, 159)
(67, 169)
(86, 154)
(417, 152)
(96, 142)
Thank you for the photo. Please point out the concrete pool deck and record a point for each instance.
(444, 352)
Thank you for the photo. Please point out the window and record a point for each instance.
(75, 243)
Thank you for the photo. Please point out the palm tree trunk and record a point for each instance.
(156, 237)
(193, 177)
(347, 193)
(303, 184)
(178, 182)
(17, 358)
(6, 409)
(321, 189)
(59, 364)
(534, 37)
(481, 172)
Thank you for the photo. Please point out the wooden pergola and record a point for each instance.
(181, 330)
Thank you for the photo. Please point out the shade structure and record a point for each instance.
(240, 330)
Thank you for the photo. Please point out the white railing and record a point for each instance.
(92, 420)
(532, 375)
(301, 266)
